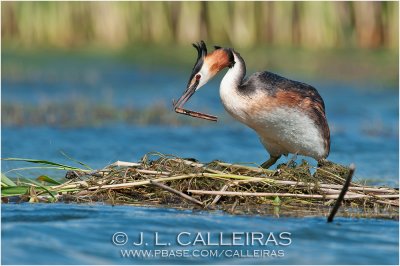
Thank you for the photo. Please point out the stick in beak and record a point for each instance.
(196, 114)
(193, 84)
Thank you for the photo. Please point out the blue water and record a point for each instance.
(364, 126)
(81, 234)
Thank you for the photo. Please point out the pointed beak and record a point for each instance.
(187, 94)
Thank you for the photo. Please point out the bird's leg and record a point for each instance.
(322, 162)
(292, 160)
(271, 161)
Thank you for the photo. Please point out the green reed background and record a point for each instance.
(241, 24)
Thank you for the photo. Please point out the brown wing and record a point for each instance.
(285, 92)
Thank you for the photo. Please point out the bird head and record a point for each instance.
(206, 67)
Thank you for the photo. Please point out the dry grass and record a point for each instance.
(161, 180)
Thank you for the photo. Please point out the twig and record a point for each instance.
(141, 183)
(334, 191)
(187, 162)
(122, 164)
(216, 199)
(126, 172)
(143, 171)
(234, 206)
(268, 194)
(185, 196)
(196, 114)
(124, 185)
(385, 196)
(257, 194)
(339, 200)
(233, 176)
(389, 202)
(321, 185)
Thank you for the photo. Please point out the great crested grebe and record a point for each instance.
(289, 116)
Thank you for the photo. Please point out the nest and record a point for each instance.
(168, 181)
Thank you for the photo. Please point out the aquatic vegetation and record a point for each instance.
(78, 114)
(169, 181)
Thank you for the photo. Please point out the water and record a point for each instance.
(81, 234)
(364, 125)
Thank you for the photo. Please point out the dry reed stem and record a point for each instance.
(141, 183)
(266, 194)
(321, 185)
(153, 172)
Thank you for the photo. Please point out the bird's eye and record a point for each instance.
(198, 76)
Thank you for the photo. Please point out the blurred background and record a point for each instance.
(96, 79)
(240, 24)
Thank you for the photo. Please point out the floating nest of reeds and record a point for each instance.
(168, 181)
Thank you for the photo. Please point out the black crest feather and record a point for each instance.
(201, 54)
(201, 49)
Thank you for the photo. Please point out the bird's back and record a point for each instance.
(272, 83)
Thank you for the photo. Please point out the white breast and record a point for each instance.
(288, 130)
